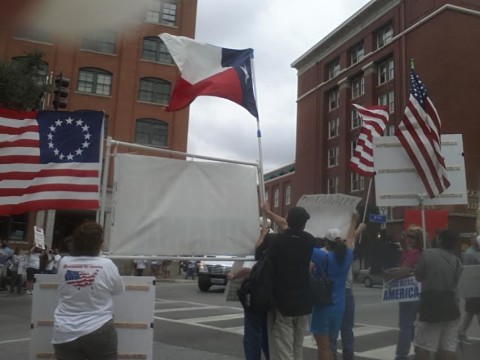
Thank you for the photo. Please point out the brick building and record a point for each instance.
(128, 73)
(365, 60)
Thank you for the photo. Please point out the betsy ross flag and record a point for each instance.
(419, 133)
(210, 70)
(374, 122)
(49, 160)
(80, 278)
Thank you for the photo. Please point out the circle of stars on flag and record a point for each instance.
(69, 122)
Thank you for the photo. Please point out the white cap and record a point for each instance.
(332, 234)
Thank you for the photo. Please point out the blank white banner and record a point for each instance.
(175, 207)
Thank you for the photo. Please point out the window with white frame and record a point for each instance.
(387, 99)
(151, 132)
(276, 197)
(333, 99)
(333, 156)
(153, 49)
(162, 12)
(34, 34)
(154, 90)
(333, 127)
(386, 71)
(94, 81)
(334, 68)
(266, 196)
(390, 130)
(103, 41)
(356, 119)
(357, 182)
(288, 194)
(356, 53)
(384, 35)
(358, 86)
(353, 145)
(332, 185)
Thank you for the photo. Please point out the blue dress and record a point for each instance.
(326, 319)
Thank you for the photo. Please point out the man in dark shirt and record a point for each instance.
(290, 252)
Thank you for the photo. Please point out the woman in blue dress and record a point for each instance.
(334, 260)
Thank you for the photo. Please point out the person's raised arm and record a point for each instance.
(353, 231)
(279, 220)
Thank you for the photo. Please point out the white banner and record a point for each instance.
(177, 207)
(328, 211)
(401, 290)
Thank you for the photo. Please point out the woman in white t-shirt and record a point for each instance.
(83, 320)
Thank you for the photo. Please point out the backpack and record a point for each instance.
(256, 291)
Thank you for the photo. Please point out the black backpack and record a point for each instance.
(256, 290)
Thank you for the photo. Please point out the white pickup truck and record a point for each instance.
(213, 272)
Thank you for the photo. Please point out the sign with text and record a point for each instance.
(377, 218)
(328, 211)
(401, 290)
(39, 237)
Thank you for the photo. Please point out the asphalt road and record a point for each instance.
(190, 324)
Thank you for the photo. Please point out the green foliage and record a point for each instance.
(21, 85)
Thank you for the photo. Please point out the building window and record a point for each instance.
(386, 71)
(353, 146)
(14, 228)
(333, 156)
(276, 197)
(104, 42)
(388, 100)
(266, 196)
(151, 132)
(162, 12)
(333, 99)
(332, 184)
(288, 194)
(154, 90)
(356, 119)
(334, 68)
(33, 34)
(358, 86)
(384, 35)
(154, 49)
(357, 182)
(356, 53)
(333, 127)
(390, 130)
(94, 81)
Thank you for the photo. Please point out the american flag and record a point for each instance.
(374, 122)
(80, 278)
(49, 160)
(419, 133)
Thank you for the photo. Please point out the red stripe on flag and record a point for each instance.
(48, 204)
(19, 175)
(20, 143)
(47, 188)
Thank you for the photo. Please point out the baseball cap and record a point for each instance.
(332, 234)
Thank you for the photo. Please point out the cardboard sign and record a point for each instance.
(401, 290)
(39, 237)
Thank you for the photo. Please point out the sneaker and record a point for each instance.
(28, 292)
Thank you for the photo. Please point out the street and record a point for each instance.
(190, 324)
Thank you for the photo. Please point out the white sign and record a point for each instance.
(397, 182)
(39, 237)
(401, 290)
(328, 211)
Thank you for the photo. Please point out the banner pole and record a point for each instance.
(422, 211)
(106, 167)
(366, 207)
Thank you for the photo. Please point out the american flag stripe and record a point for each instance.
(419, 134)
(26, 182)
(374, 122)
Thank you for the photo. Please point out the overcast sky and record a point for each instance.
(279, 31)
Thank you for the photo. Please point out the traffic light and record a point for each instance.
(60, 92)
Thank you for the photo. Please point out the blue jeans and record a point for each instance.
(255, 338)
(346, 329)
(407, 314)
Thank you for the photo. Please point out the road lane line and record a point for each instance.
(13, 340)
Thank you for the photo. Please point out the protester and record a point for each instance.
(348, 319)
(472, 305)
(439, 271)
(15, 272)
(140, 265)
(290, 253)
(255, 336)
(83, 320)
(334, 264)
(33, 267)
(191, 267)
(5, 253)
(407, 311)
(56, 260)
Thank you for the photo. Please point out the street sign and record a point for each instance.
(377, 218)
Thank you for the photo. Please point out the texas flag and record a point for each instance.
(210, 70)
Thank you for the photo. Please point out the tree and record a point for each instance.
(22, 85)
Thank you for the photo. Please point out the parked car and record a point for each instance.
(213, 272)
(368, 279)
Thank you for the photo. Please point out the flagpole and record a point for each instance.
(422, 211)
(261, 179)
(366, 207)
(106, 166)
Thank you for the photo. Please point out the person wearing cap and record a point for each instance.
(290, 253)
(335, 264)
(471, 256)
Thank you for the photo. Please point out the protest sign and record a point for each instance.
(401, 290)
(39, 237)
